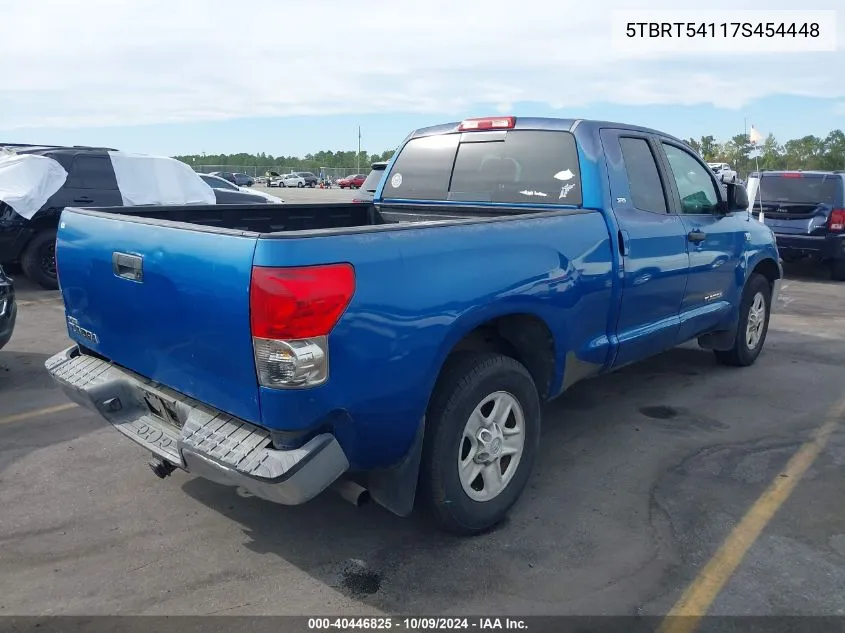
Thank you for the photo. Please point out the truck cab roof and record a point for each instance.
(547, 123)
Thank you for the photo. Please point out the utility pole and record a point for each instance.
(358, 155)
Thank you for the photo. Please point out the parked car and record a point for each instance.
(225, 175)
(291, 180)
(8, 308)
(236, 178)
(84, 177)
(724, 172)
(368, 187)
(243, 180)
(228, 193)
(351, 182)
(310, 179)
(555, 251)
(806, 211)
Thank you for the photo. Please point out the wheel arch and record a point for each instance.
(522, 335)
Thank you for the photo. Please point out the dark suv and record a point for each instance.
(806, 212)
(91, 182)
(310, 179)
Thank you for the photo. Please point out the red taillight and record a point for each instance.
(836, 221)
(488, 123)
(791, 175)
(299, 303)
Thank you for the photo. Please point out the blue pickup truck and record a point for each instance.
(401, 351)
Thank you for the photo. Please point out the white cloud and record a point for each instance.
(123, 62)
(839, 108)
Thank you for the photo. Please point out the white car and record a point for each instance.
(221, 184)
(723, 172)
(290, 180)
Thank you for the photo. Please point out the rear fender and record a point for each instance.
(395, 488)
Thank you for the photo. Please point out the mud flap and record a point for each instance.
(396, 488)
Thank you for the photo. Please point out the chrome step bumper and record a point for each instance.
(195, 437)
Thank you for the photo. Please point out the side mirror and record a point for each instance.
(737, 197)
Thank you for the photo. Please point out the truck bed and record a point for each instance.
(278, 218)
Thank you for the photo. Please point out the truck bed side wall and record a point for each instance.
(418, 293)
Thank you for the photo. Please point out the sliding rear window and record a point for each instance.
(799, 188)
(517, 166)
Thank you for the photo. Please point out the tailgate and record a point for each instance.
(183, 321)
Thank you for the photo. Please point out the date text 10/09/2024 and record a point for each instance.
(722, 29)
(416, 624)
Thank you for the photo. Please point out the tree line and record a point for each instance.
(808, 152)
(309, 162)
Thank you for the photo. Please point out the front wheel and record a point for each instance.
(482, 436)
(300, 185)
(39, 260)
(753, 324)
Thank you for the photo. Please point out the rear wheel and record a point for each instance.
(753, 324)
(39, 260)
(837, 270)
(482, 436)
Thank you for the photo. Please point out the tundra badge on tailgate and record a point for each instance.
(73, 326)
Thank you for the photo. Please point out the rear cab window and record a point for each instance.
(800, 188)
(512, 167)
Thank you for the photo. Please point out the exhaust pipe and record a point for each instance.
(161, 468)
(352, 492)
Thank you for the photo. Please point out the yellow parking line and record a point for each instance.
(37, 413)
(699, 596)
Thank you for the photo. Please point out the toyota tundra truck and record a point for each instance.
(401, 350)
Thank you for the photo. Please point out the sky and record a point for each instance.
(192, 76)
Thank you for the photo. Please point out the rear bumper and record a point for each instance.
(200, 440)
(822, 246)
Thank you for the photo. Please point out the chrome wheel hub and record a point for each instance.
(756, 321)
(491, 446)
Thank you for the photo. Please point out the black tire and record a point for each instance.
(837, 270)
(742, 354)
(39, 260)
(300, 185)
(464, 383)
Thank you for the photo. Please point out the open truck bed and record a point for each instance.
(273, 218)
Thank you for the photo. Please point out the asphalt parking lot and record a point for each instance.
(643, 476)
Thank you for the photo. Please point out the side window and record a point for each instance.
(695, 186)
(93, 172)
(643, 177)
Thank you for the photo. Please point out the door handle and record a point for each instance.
(696, 237)
(128, 266)
(83, 200)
